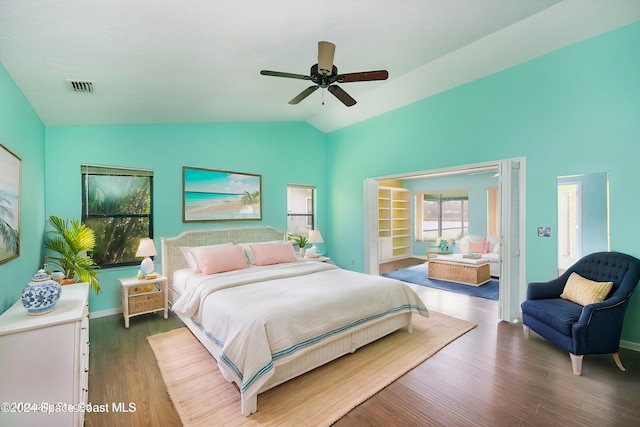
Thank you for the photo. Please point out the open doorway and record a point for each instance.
(583, 216)
(511, 235)
(414, 214)
(569, 224)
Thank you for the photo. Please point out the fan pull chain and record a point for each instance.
(323, 96)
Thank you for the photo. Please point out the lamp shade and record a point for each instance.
(146, 248)
(315, 237)
(326, 52)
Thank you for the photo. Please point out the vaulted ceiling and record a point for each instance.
(195, 61)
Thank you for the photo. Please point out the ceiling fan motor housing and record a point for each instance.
(321, 79)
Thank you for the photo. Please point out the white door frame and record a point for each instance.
(512, 283)
(512, 239)
(576, 232)
(371, 238)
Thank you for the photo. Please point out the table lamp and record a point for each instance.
(146, 249)
(315, 237)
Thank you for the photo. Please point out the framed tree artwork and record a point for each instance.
(215, 195)
(10, 174)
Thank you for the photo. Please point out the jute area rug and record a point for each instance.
(202, 397)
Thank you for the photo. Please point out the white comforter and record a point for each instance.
(263, 315)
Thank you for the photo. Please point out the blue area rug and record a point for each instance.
(418, 274)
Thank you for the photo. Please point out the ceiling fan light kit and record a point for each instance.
(326, 52)
(324, 74)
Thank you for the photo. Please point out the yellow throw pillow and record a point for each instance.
(584, 291)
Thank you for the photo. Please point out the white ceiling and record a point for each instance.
(196, 61)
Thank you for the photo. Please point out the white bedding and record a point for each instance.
(181, 278)
(264, 315)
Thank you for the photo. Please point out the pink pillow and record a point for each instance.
(217, 259)
(478, 247)
(191, 259)
(485, 249)
(273, 253)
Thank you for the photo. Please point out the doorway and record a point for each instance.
(583, 216)
(511, 189)
(569, 225)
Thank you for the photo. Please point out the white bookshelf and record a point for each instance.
(394, 223)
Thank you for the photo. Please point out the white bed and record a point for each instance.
(312, 325)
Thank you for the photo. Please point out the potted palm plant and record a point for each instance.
(301, 240)
(71, 240)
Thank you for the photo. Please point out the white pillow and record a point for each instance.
(191, 260)
(493, 241)
(463, 245)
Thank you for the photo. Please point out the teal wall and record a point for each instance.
(22, 132)
(280, 152)
(569, 112)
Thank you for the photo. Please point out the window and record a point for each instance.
(300, 209)
(117, 206)
(442, 214)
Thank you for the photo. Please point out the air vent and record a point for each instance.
(80, 86)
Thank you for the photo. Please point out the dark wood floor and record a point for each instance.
(124, 371)
(491, 376)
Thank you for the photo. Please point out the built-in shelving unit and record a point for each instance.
(394, 223)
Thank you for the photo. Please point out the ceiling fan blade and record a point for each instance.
(302, 95)
(363, 76)
(287, 75)
(326, 52)
(343, 96)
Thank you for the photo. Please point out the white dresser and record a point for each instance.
(44, 362)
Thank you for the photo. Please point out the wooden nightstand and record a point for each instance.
(141, 296)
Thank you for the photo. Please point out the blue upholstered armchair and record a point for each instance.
(590, 329)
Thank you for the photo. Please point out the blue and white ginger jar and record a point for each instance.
(41, 294)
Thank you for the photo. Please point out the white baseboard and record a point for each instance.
(103, 313)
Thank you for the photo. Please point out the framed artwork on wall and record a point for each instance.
(215, 195)
(10, 174)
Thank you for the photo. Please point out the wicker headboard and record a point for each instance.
(172, 258)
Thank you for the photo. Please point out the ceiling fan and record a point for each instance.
(324, 74)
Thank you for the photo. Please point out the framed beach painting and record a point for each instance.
(10, 171)
(214, 195)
